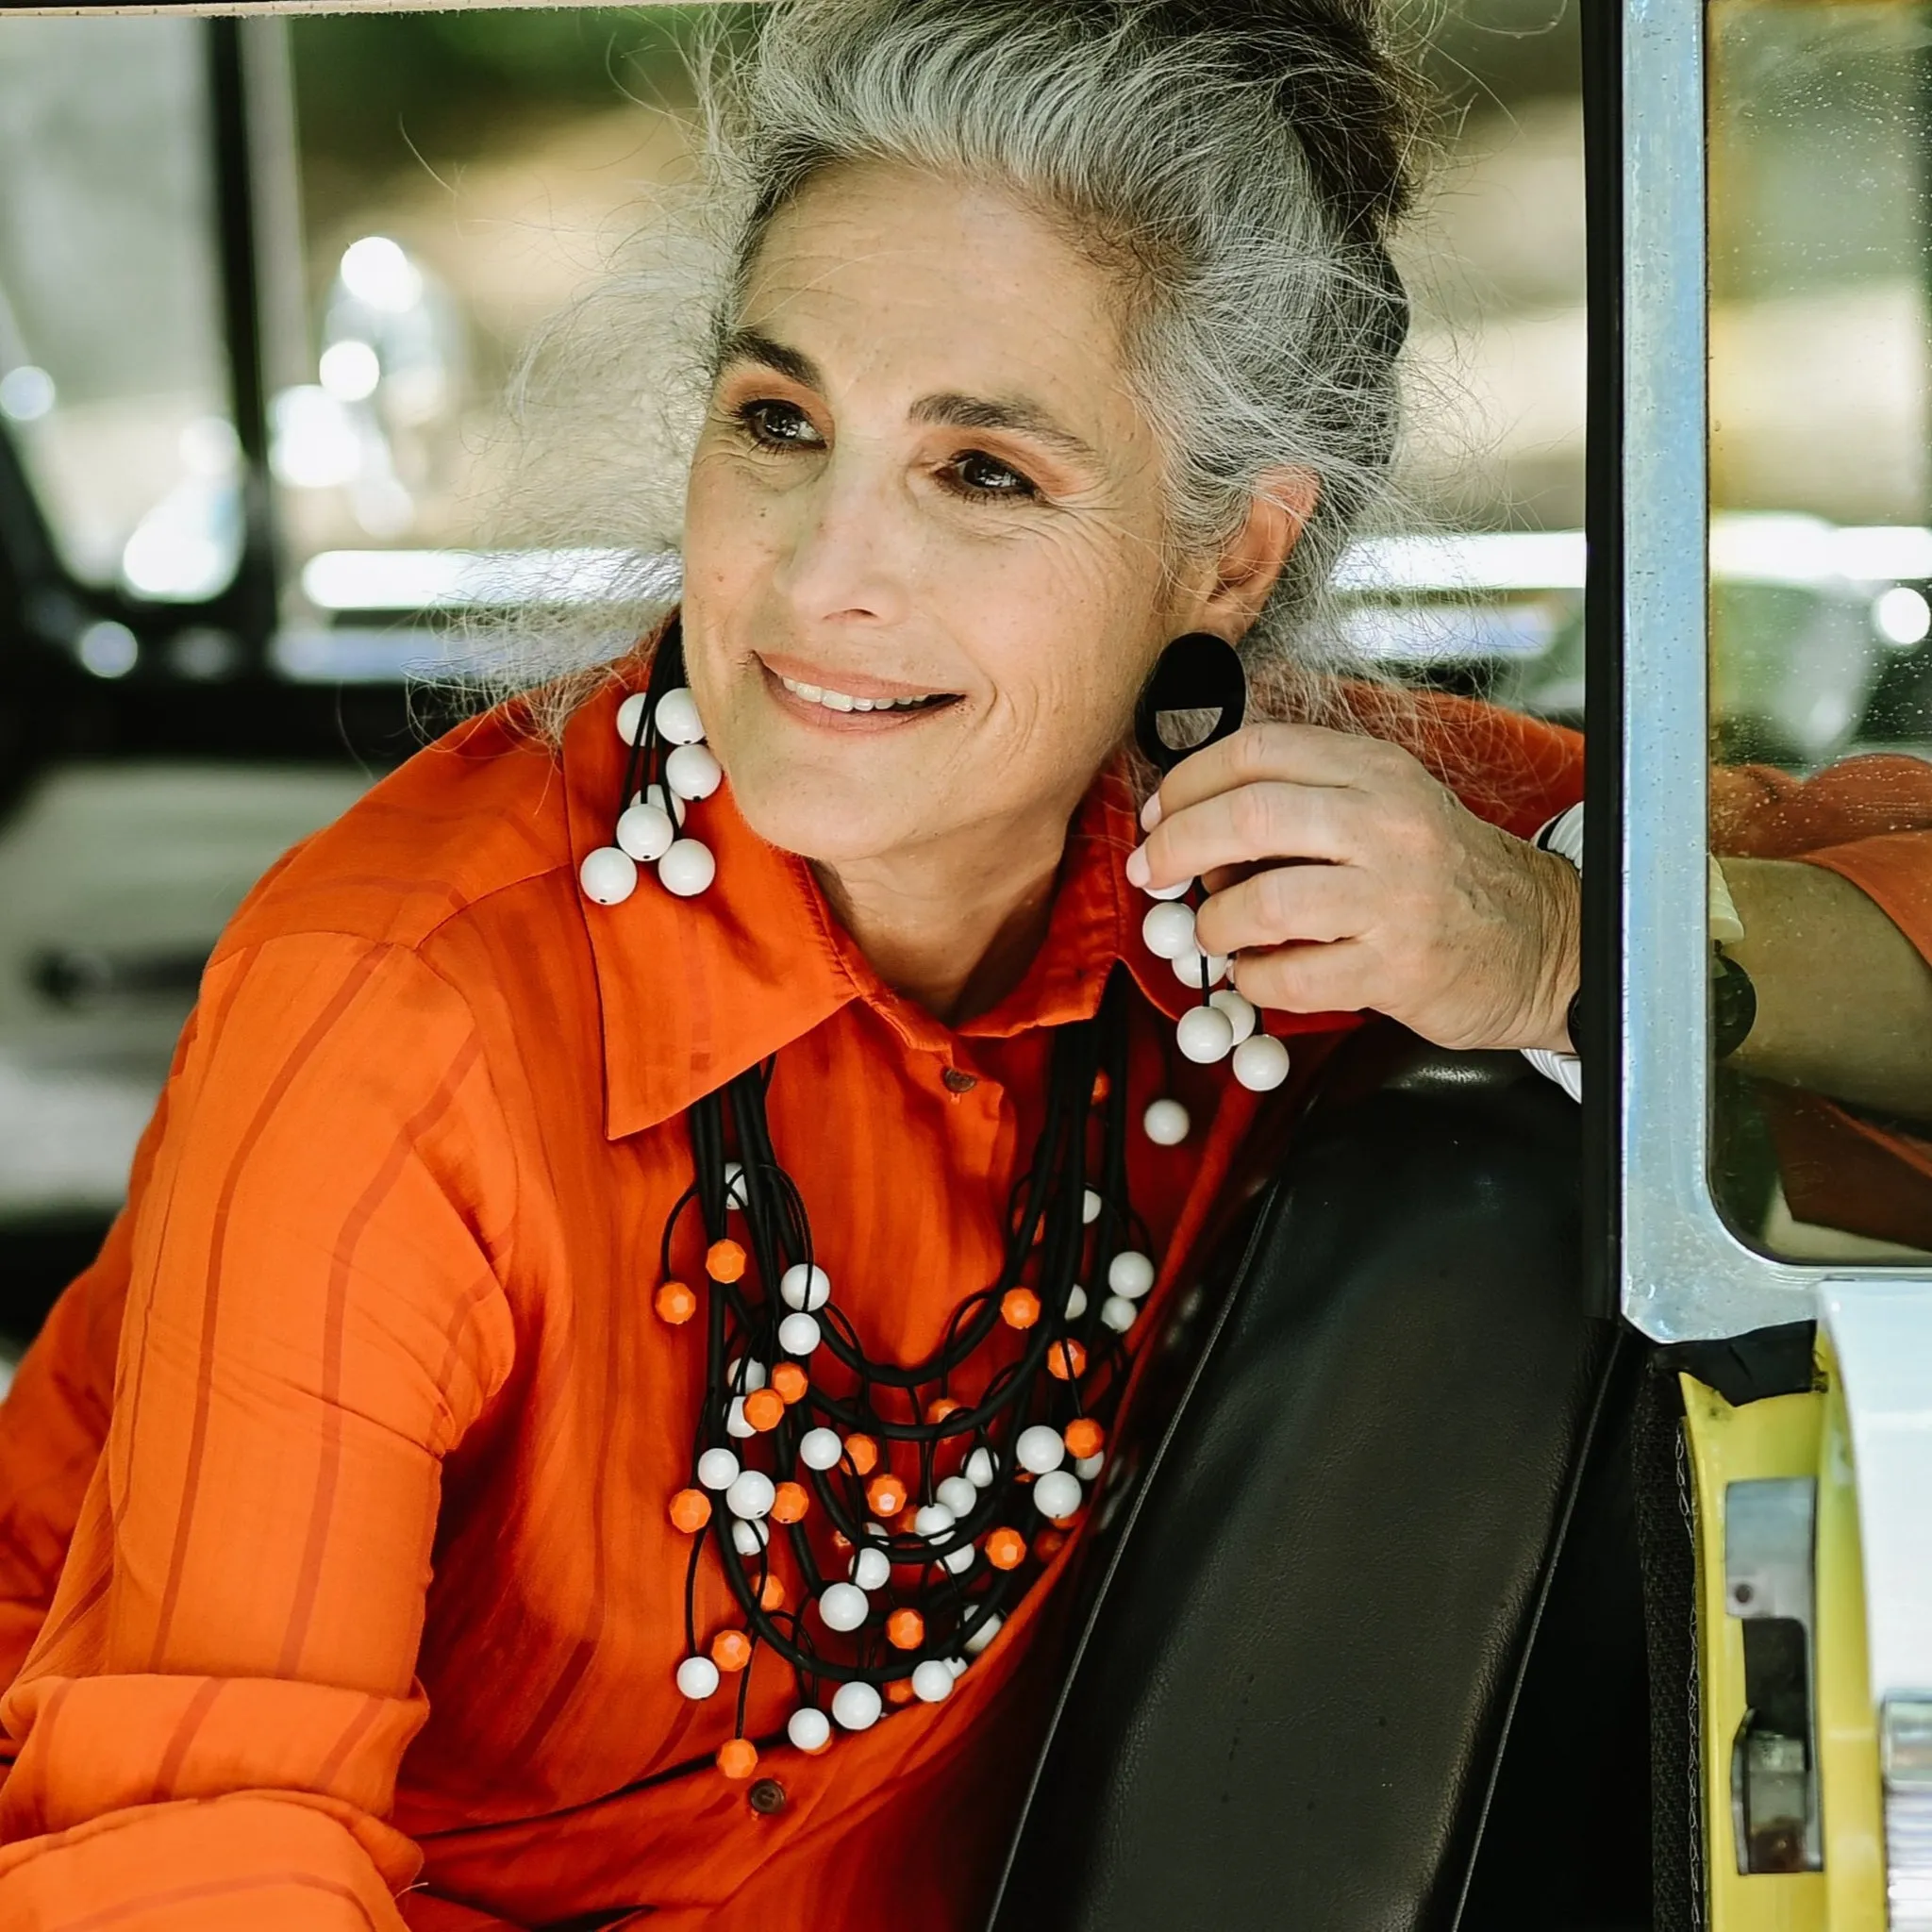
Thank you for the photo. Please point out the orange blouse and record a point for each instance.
(333, 1527)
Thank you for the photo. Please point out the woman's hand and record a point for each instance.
(1345, 877)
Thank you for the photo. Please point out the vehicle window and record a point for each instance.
(113, 385)
(1820, 626)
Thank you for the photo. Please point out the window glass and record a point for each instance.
(113, 380)
(1821, 625)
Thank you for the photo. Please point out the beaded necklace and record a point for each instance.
(906, 1577)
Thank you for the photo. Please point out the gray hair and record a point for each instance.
(1237, 165)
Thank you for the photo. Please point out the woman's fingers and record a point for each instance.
(1283, 904)
(1259, 821)
(1309, 978)
(1296, 754)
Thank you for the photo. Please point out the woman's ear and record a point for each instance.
(1251, 561)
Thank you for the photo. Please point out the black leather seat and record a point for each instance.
(1289, 1705)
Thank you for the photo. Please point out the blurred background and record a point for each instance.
(261, 283)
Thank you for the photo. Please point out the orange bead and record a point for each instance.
(791, 1381)
(725, 1262)
(1083, 1438)
(941, 1407)
(674, 1303)
(764, 1408)
(772, 1594)
(1048, 1544)
(899, 1691)
(1019, 1307)
(862, 1453)
(1065, 1360)
(738, 1758)
(690, 1510)
(886, 1496)
(790, 1502)
(905, 1629)
(731, 1650)
(1006, 1549)
(1102, 1086)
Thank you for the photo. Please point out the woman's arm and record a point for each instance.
(212, 1721)
(1844, 998)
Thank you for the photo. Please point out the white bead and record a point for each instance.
(1077, 1302)
(1041, 1448)
(800, 1287)
(745, 1376)
(857, 1706)
(644, 833)
(687, 869)
(871, 1570)
(960, 1559)
(983, 1635)
(798, 1333)
(958, 1495)
(1118, 1314)
(735, 1422)
(1057, 1494)
(1186, 969)
(1130, 1273)
(1204, 1035)
(677, 717)
(932, 1682)
(1261, 1064)
(697, 1678)
(981, 1467)
(751, 1495)
(749, 1539)
(691, 772)
(843, 1605)
(608, 876)
(1176, 891)
(735, 1196)
(668, 802)
(717, 1469)
(1091, 1204)
(933, 1520)
(820, 1449)
(1166, 1122)
(630, 715)
(1168, 929)
(1241, 1014)
(1088, 1467)
(808, 1728)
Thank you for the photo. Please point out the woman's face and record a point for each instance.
(926, 573)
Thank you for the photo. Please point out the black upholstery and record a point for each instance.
(1288, 1705)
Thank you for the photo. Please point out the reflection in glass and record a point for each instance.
(113, 386)
(1820, 483)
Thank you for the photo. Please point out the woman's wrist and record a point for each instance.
(1559, 963)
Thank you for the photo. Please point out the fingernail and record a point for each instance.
(1139, 872)
(1150, 813)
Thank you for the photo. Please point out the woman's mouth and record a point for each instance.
(825, 704)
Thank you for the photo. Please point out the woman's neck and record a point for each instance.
(953, 931)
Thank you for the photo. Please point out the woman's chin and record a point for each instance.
(836, 824)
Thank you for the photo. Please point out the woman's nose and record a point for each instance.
(847, 549)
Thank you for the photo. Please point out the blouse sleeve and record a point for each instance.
(210, 1724)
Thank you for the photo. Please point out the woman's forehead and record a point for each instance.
(941, 289)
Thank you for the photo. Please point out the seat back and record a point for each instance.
(1287, 1706)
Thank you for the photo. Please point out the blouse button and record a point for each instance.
(956, 1080)
(767, 1797)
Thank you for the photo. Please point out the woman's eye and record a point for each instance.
(979, 475)
(778, 425)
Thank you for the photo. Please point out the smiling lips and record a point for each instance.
(823, 698)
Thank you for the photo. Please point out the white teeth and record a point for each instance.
(839, 701)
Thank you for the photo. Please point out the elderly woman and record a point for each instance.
(630, 1288)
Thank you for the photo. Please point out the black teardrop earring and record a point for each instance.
(1196, 672)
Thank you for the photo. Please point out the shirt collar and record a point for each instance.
(692, 991)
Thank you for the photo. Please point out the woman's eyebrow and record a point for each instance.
(750, 345)
(1026, 418)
